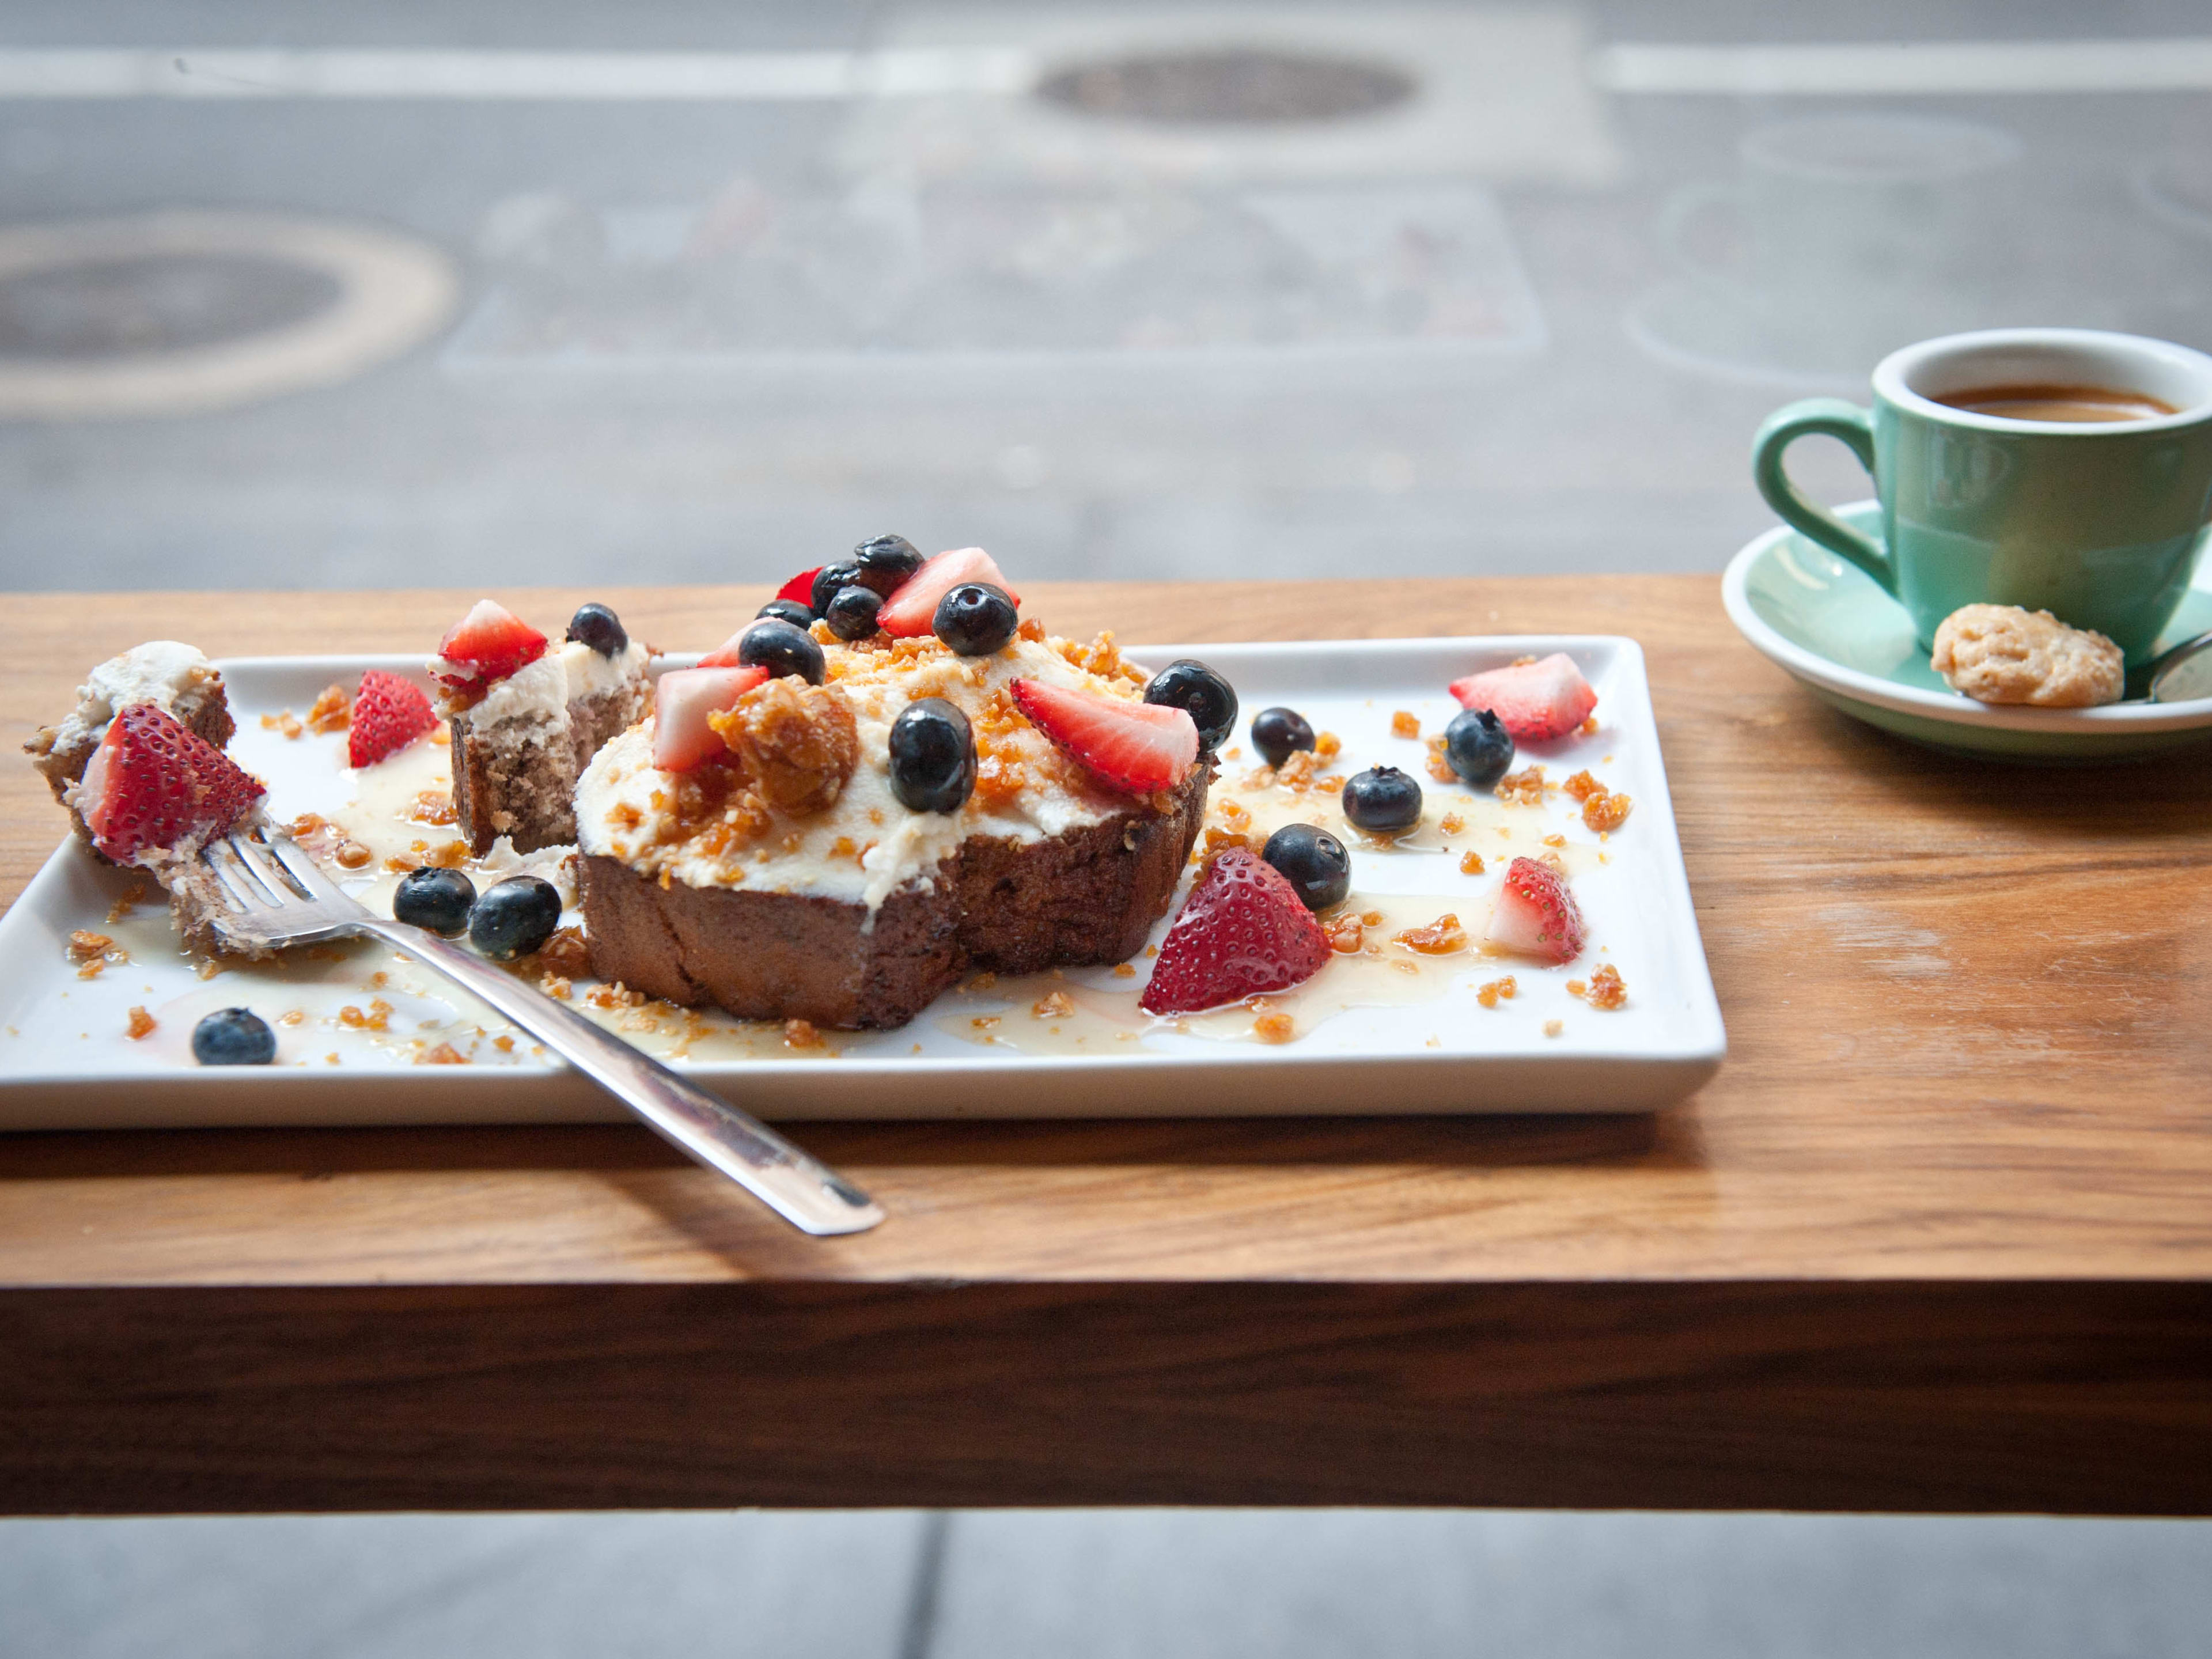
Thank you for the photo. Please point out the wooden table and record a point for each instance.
(1940, 1236)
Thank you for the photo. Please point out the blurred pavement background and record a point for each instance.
(308, 294)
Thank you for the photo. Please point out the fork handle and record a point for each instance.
(806, 1192)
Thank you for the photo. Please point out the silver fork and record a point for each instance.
(281, 897)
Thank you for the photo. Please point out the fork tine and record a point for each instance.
(231, 876)
(267, 869)
(303, 870)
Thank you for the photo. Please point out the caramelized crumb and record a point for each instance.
(208, 968)
(1439, 764)
(306, 824)
(554, 986)
(1345, 934)
(1555, 841)
(1053, 1004)
(1497, 990)
(1298, 771)
(292, 1017)
(433, 806)
(799, 743)
(83, 946)
(1604, 990)
(1552, 861)
(1219, 841)
(1235, 816)
(1326, 746)
(1470, 863)
(1273, 1028)
(1440, 938)
(1404, 724)
(1587, 728)
(123, 906)
(1452, 823)
(1583, 785)
(1123, 970)
(378, 1018)
(983, 981)
(142, 1024)
(1553, 1027)
(984, 1022)
(1372, 918)
(1522, 788)
(1605, 812)
(444, 1054)
(352, 855)
(332, 711)
(504, 1043)
(92, 969)
(564, 954)
(452, 856)
(286, 722)
(1031, 629)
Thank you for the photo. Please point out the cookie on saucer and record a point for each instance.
(2002, 653)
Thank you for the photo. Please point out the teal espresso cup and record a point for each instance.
(2059, 468)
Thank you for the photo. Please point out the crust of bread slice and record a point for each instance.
(1089, 896)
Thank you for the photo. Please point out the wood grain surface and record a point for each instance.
(1939, 1236)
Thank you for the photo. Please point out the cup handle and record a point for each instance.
(1824, 417)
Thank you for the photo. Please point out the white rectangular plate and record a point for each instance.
(1415, 1037)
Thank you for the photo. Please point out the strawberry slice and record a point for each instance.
(389, 713)
(489, 643)
(912, 608)
(1536, 915)
(800, 587)
(725, 655)
(152, 783)
(682, 701)
(1133, 746)
(1244, 931)
(1537, 701)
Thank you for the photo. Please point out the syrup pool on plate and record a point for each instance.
(1094, 1011)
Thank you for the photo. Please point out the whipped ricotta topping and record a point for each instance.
(867, 845)
(591, 675)
(159, 672)
(540, 694)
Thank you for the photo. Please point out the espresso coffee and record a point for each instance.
(2069, 404)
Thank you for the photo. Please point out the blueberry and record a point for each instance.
(438, 899)
(852, 613)
(1383, 799)
(515, 917)
(233, 1037)
(885, 562)
(789, 611)
(1277, 731)
(1479, 747)
(976, 619)
(782, 647)
(1313, 861)
(600, 629)
(831, 580)
(933, 756)
(1210, 700)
